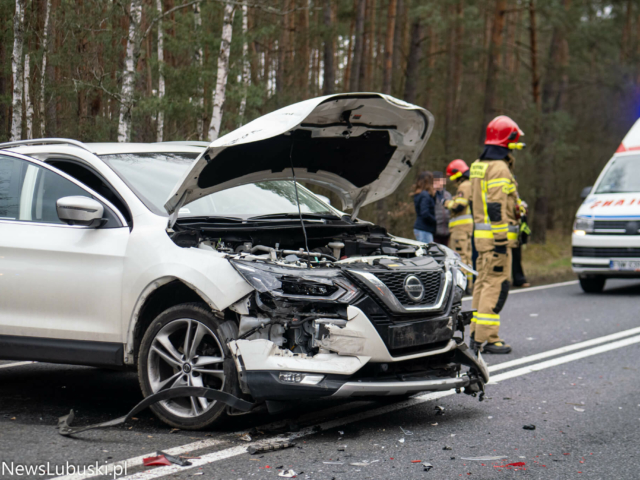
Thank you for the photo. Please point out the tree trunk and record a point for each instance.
(28, 104)
(358, 50)
(17, 70)
(397, 48)
(454, 74)
(413, 63)
(160, 122)
(246, 75)
(302, 51)
(128, 76)
(329, 80)
(625, 52)
(223, 73)
(43, 72)
(199, 61)
(533, 40)
(388, 47)
(366, 69)
(347, 73)
(553, 100)
(493, 65)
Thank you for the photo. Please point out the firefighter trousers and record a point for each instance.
(490, 294)
(461, 243)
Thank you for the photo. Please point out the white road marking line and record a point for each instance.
(202, 444)
(239, 450)
(533, 289)
(15, 364)
(567, 358)
(558, 351)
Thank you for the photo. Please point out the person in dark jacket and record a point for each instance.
(424, 202)
(442, 233)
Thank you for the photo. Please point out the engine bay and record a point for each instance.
(301, 296)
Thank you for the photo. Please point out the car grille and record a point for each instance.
(616, 227)
(431, 280)
(619, 252)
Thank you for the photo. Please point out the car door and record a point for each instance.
(60, 285)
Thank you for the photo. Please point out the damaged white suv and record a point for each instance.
(211, 268)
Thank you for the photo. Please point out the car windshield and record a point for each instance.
(622, 176)
(152, 176)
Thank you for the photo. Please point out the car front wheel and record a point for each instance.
(183, 347)
(593, 284)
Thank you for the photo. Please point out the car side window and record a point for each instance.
(29, 192)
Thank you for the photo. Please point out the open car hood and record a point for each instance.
(359, 145)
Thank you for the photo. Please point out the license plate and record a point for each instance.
(625, 265)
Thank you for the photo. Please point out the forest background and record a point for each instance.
(568, 72)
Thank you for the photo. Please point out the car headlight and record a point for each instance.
(298, 283)
(583, 225)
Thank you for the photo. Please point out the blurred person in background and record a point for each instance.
(442, 214)
(461, 223)
(517, 273)
(424, 201)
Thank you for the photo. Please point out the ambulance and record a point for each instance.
(606, 233)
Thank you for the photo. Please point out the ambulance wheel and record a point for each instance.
(592, 284)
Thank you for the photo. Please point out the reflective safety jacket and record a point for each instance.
(459, 206)
(494, 203)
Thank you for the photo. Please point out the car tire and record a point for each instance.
(168, 358)
(592, 284)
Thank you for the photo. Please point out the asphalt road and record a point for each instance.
(584, 401)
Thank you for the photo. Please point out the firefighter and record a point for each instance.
(461, 222)
(496, 217)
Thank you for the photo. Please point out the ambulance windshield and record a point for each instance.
(622, 176)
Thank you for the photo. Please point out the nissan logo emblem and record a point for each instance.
(414, 288)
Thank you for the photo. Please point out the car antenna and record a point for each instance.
(295, 185)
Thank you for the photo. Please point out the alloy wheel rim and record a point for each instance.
(186, 353)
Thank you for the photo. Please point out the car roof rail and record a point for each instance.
(188, 143)
(45, 141)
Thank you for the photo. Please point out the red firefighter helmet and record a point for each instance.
(456, 168)
(502, 131)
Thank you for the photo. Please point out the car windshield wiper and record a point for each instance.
(208, 218)
(294, 216)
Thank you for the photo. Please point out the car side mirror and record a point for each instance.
(78, 210)
(585, 192)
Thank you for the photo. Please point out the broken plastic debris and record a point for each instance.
(155, 461)
(439, 410)
(288, 474)
(406, 432)
(416, 461)
(269, 447)
(340, 432)
(333, 463)
(173, 459)
(447, 447)
(578, 409)
(246, 437)
(401, 440)
(427, 466)
(529, 427)
(485, 459)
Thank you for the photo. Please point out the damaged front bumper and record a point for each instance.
(270, 373)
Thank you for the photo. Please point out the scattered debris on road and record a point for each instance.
(269, 447)
(529, 427)
(447, 447)
(406, 432)
(288, 474)
(439, 410)
(246, 437)
(427, 466)
(485, 459)
(578, 409)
